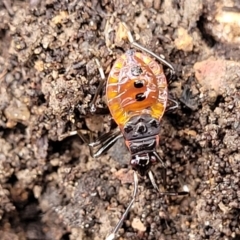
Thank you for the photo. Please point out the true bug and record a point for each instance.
(137, 97)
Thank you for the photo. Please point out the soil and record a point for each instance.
(50, 187)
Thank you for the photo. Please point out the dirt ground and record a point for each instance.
(51, 188)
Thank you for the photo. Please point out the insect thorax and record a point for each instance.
(140, 127)
(141, 135)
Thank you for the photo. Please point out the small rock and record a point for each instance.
(95, 123)
(6, 235)
(39, 65)
(37, 191)
(183, 41)
(17, 111)
(148, 3)
(142, 21)
(138, 225)
(224, 208)
(63, 15)
(188, 132)
(55, 162)
(176, 145)
(124, 175)
(216, 74)
(157, 4)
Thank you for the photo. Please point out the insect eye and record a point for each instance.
(134, 162)
(138, 84)
(153, 159)
(140, 96)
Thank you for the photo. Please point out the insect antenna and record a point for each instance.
(100, 86)
(137, 45)
(181, 193)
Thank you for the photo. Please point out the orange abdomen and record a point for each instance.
(136, 85)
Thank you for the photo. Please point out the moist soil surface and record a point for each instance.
(50, 186)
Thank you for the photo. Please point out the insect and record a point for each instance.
(137, 97)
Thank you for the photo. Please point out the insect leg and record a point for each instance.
(159, 58)
(163, 169)
(103, 143)
(106, 141)
(118, 226)
(173, 104)
(151, 177)
(100, 86)
(159, 159)
(184, 192)
(164, 177)
(68, 134)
